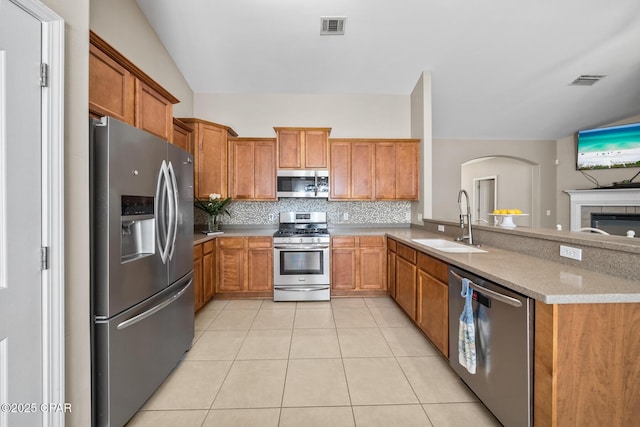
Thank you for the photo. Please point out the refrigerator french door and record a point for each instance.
(142, 265)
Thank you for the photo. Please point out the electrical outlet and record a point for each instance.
(571, 252)
(441, 228)
(407, 216)
(548, 212)
(419, 217)
(345, 216)
(272, 217)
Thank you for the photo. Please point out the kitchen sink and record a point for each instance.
(448, 246)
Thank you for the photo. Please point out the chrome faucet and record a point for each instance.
(467, 236)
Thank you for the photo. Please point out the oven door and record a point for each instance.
(301, 265)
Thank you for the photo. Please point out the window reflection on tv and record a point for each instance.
(609, 147)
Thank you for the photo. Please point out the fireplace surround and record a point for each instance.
(604, 202)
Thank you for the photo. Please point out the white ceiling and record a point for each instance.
(501, 69)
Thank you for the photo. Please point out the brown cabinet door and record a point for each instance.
(265, 170)
(340, 172)
(407, 171)
(111, 87)
(316, 149)
(406, 286)
(198, 291)
(231, 264)
(372, 256)
(362, 170)
(210, 161)
(433, 310)
(154, 113)
(208, 270)
(182, 136)
(391, 274)
(289, 149)
(241, 159)
(343, 268)
(260, 277)
(385, 170)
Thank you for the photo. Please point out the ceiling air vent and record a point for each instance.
(332, 25)
(587, 80)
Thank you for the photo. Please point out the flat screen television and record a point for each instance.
(609, 147)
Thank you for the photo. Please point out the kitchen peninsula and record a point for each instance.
(586, 322)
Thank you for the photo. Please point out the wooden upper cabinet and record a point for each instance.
(252, 168)
(111, 87)
(154, 113)
(182, 135)
(351, 171)
(303, 148)
(209, 157)
(118, 88)
(397, 169)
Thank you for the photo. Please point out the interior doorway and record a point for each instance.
(485, 190)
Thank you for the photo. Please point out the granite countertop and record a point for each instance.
(546, 281)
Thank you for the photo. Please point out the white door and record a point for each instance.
(21, 352)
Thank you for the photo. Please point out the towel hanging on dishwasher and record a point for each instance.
(467, 331)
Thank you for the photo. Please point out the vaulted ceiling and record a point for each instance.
(501, 69)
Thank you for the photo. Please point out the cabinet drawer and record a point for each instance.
(433, 267)
(260, 242)
(391, 245)
(372, 241)
(197, 251)
(232, 242)
(208, 246)
(343, 242)
(406, 252)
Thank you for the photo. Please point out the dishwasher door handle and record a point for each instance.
(491, 294)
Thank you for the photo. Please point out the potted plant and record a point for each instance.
(215, 207)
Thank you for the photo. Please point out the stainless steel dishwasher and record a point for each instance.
(503, 321)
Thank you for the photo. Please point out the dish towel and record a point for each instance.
(467, 331)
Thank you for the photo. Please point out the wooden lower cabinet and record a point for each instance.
(419, 284)
(586, 366)
(204, 273)
(358, 264)
(433, 301)
(406, 285)
(245, 265)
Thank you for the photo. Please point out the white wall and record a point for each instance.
(349, 116)
(122, 24)
(421, 128)
(449, 155)
(76, 158)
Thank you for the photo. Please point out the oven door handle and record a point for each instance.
(302, 248)
(300, 289)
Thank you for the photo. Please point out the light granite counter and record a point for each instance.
(546, 281)
(542, 279)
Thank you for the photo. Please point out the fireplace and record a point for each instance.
(616, 223)
(619, 202)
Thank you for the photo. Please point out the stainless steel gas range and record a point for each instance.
(301, 270)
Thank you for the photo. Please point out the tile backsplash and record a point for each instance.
(258, 213)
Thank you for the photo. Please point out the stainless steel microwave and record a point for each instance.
(303, 183)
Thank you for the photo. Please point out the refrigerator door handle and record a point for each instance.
(145, 314)
(172, 190)
(162, 192)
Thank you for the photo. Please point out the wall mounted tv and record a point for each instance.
(609, 147)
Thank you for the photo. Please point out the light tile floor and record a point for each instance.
(347, 362)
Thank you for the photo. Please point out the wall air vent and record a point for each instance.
(587, 80)
(332, 25)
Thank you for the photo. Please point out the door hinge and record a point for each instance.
(44, 75)
(44, 258)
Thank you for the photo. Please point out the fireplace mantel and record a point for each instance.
(600, 197)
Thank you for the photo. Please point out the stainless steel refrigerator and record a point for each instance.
(142, 265)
